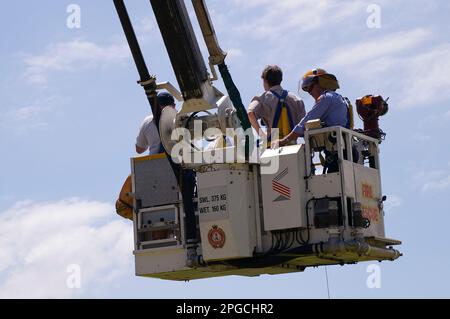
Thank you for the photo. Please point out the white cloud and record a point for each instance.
(234, 53)
(146, 26)
(279, 17)
(438, 183)
(147, 31)
(420, 137)
(38, 241)
(432, 180)
(32, 116)
(72, 56)
(248, 4)
(392, 202)
(367, 51)
(403, 64)
(27, 112)
(426, 79)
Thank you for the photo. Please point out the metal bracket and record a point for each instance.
(171, 89)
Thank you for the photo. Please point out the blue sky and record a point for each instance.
(70, 110)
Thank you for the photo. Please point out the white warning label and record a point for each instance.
(212, 200)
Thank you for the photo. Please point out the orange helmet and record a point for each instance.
(326, 80)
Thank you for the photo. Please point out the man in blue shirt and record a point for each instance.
(330, 107)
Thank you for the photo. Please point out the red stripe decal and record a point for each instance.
(281, 186)
(282, 192)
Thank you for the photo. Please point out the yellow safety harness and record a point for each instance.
(283, 118)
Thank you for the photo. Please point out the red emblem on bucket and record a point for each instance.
(216, 237)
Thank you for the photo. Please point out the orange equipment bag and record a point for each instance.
(124, 205)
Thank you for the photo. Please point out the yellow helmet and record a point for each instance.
(326, 80)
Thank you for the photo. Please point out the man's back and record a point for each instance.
(337, 110)
(265, 106)
(148, 137)
(330, 108)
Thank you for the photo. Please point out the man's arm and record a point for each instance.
(317, 112)
(286, 140)
(142, 143)
(254, 121)
(254, 113)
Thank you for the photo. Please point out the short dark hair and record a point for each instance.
(273, 75)
(165, 99)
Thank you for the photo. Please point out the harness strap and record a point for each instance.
(283, 118)
(161, 149)
(350, 116)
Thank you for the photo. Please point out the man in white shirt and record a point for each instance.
(270, 106)
(148, 138)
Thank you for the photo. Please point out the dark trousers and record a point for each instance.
(187, 182)
(332, 163)
(189, 185)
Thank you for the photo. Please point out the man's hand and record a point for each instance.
(277, 144)
(285, 141)
(262, 135)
